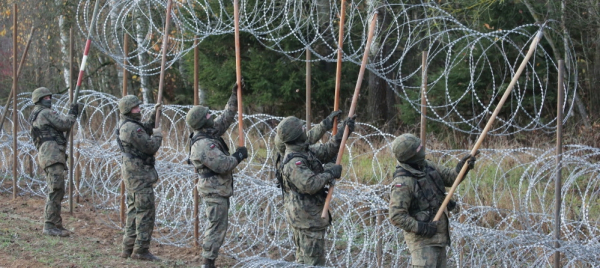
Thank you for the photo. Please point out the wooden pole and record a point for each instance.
(161, 81)
(238, 71)
(15, 113)
(122, 206)
(70, 62)
(10, 95)
(558, 180)
(338, 72)
(423, 99)
(532, 48)
(195, 189)
(361, 74)
(308, 90)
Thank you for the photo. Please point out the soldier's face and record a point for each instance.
(47, 98)
(135, 110)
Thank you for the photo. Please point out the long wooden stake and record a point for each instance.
(558, 179)
(361, 74)
(10, 95)
(195, 190)
(122, 206)
(238, 71)
(161, 81)
(423, 99)
(308, 90)
(532, 48)
(15, 114)
(338, 71)
(71, 160)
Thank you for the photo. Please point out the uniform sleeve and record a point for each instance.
(58, 121)
(144, 142)
(316, 133)
(400, 200)
(306, 181)
(223, 121)
(326, 152)
(206, 153)
(448, 174)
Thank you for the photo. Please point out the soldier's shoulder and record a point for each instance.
(47, 112)
(129, 126)
(402, 183)
(295, 159)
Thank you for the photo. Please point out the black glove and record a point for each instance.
(240, 154)
(74, 110)
(348, 122)
(451, 205)
(235, 87)
(335, 171)
(470, 160)
(328, 121)
(426, 229)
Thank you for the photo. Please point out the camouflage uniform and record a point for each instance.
(417, 192)
(304, 193)
(138, 145)
(47, 133)
(210, 156)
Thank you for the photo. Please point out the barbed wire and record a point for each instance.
(506, 204)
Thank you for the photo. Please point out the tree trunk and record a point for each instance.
(64, 44)
(142, 57)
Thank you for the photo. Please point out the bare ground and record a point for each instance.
(91, 244)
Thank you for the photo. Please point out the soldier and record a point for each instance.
(314, 134)
(138, 143)
(47, 127)
(416, 195)
(210, 156)
(304, 186)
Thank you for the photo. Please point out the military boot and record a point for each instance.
(53, 231)
(126, 253)
(144, 255)
(208, 263)
(63, 229)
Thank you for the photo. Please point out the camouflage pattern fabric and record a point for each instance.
(139, 177)
(55, 179)
(218, 219)
(208, 156)
(304, 185)
(135, 172)
(310, 247)
(415, 197)
(140, 220)
(50, 152)
(428, 257)
(313, 136)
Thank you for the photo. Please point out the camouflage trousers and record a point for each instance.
(429, 256)
(217, 209)
(140, 220)
(55, 178)
(310, 246)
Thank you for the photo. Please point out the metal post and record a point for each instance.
(123, 93)
(558, 180)
(195, 190)
(71, 133)
(308, 90)
(423, 97)
(15, 113)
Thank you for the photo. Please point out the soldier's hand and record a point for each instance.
(427, 229)
(328, 121)
(470, 160)
(157, 132)
(348, 122)
(75, 109)
(240, 154)
(234, 89)
(335, 171)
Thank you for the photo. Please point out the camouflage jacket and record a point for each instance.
(304, 184)
(416, 196)
(137, 138)
(210, 156)
(51, 152)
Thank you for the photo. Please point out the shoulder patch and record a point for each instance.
(399, 185)
(54, 112)
(298, 163)
(212, 146)
(139, 129)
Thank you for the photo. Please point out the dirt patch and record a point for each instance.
(92, 243)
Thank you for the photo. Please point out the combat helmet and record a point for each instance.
(405, 146)
(40, 93)
(196, 117)
(290, 129)
(127, 103)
